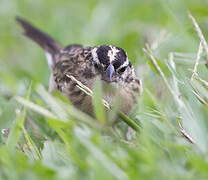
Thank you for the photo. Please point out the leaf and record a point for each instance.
(31, 145)
(35, 107)
(15, 131)
(109, 165)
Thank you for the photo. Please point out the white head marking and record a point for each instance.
(125, 64)
(112, 53)
(94, 55)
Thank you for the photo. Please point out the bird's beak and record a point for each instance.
(109, 72)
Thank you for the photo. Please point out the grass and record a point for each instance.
(50, 139)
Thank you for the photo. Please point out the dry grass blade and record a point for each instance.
(200, 50)
(183, 132)
(200, 91)
(199, 32)
(200, 98)
(205, 83)
(80, 85)
(163, 35)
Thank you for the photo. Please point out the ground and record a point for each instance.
(48, 138)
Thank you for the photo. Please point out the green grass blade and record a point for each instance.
(97, 102)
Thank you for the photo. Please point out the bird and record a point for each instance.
(106, 63)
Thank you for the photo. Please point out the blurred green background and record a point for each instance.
(159, 152)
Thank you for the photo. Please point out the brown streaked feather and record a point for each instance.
(74, 63)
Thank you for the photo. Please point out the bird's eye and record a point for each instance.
(122, 70)
(96, 66)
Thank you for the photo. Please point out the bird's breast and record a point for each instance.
(119, 96)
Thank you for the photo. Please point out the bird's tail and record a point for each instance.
(44, 40)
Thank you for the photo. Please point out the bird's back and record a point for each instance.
(73, 62)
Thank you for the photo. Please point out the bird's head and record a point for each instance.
(113, 65)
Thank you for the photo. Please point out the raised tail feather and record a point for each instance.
(44, 40)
